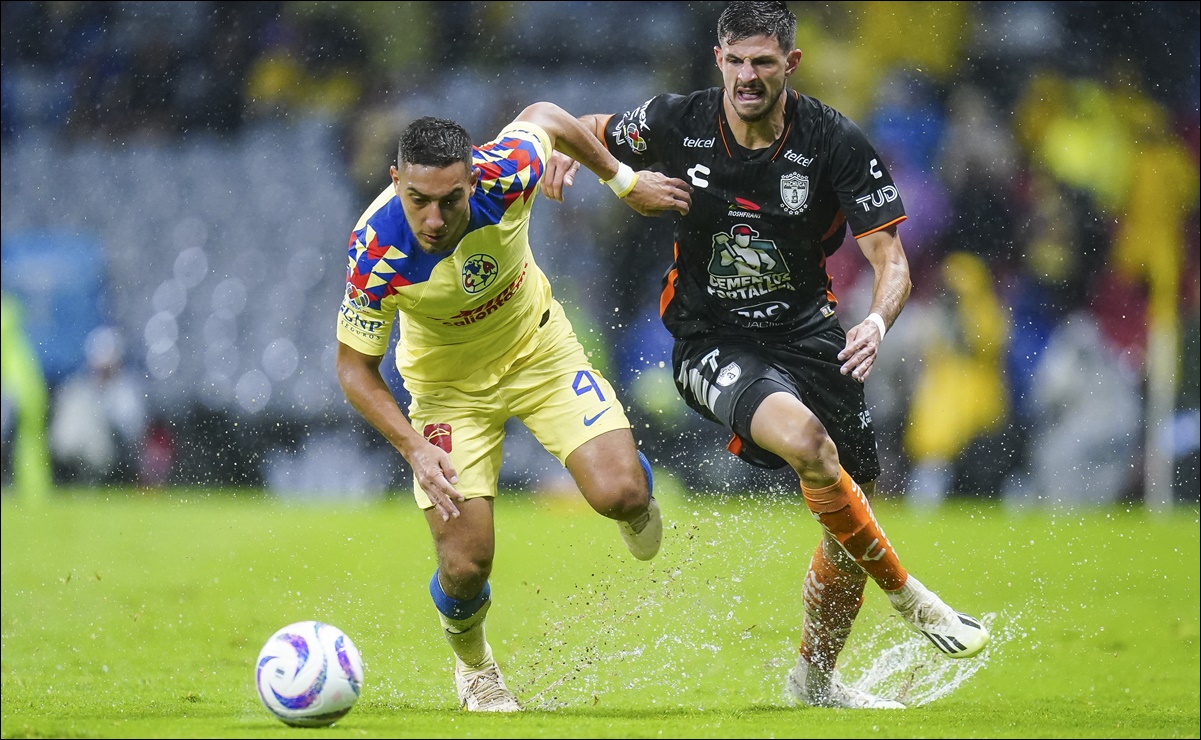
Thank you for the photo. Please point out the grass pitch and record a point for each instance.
(134, 616)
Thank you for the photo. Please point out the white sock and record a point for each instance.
(817, 679)
(905, 598)
(467, 638)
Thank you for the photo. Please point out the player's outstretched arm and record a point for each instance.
(647, 192)
(365, 389)
(890, 291)
(561, 169)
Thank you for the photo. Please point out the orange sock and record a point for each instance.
(844, 512)
(832, 599)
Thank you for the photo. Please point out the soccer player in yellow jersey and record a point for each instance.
(445, 250)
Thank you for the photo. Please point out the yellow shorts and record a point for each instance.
(554, 391)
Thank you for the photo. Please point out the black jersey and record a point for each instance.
(750, 256)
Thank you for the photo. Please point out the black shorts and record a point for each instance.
(726, 379)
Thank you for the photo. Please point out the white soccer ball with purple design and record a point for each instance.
(309, 674)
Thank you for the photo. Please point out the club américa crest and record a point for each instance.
(479, 271)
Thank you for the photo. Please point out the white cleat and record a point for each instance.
(644, 535)
(955, 634)
(484, 690)
(819, 688)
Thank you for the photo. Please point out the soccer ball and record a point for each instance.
(309, 674)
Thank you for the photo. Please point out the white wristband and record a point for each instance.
(879, 321)
(623, 182)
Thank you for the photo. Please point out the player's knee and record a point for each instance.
(622, 496)
(463, 575)
(808, 447)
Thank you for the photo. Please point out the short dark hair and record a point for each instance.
(434, 142)
(741, 20)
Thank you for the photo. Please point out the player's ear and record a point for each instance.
(793, 60)
(395, 179)
(717, 56)
(474, 178)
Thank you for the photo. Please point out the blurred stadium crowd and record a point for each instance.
(179, 180)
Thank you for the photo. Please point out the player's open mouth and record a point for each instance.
(748, 96)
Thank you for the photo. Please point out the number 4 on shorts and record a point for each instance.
(584, 383)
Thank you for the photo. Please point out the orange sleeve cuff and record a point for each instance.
(881, 227)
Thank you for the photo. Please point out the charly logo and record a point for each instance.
(794, 192)
(479, 271)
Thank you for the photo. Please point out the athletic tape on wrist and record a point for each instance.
(623, 182)
(879, 321)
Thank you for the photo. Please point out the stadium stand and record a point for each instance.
(191, 170)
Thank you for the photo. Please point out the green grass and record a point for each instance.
(138, 616)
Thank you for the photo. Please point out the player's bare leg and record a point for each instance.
(465, 547)
(785, 426)
(615, 479)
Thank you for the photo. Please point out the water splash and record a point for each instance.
(902, 666)
(568, 665)
(574, 663)
(661, 632)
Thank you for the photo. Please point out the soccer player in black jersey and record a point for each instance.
(777, 180)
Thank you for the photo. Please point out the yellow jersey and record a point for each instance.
(467, 315)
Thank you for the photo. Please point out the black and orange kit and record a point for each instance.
(747, 296)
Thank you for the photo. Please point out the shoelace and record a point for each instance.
(640, 523)
(487, 689)
(933, 614)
